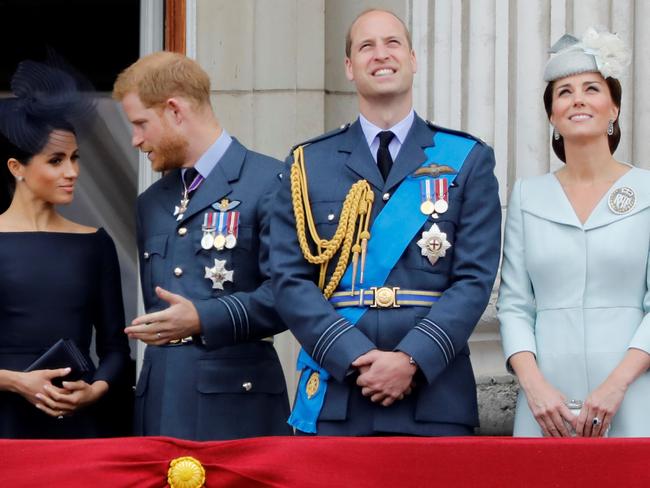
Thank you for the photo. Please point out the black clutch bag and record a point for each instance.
(63, 354)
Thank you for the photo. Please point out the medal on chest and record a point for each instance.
(208, 228)
(433, 244)
(181, 208)
(220, 230)
(434, 196)
(232, 229)
(218, 274)
(220, 238)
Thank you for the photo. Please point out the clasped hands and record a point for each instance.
(37, 388)
(548, 407)
(385, 376)
(177, 321)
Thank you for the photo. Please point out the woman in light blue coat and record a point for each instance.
(574, 299)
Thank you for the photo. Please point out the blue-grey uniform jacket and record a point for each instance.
(228, 383)
(444, 400)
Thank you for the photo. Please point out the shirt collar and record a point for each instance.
(213, 155)
(400, 129)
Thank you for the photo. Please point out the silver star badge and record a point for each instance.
(434, 244)
(218, 274)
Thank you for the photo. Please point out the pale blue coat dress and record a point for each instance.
(576, 295)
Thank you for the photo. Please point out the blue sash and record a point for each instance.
(384, 250)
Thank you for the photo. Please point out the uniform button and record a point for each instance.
(145, 255)
(248, 386)
(330, 217)
(178, 271)
(385, 197)
(182, 231)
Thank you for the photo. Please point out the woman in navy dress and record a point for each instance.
(60, 279)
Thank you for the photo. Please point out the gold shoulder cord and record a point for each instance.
(355, 214)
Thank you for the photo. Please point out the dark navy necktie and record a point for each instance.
(384, 159)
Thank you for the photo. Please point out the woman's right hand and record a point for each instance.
(32, 384)
(545, 401)
(549, 409)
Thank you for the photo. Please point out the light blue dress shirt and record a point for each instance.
(401, 129)
(213, 155)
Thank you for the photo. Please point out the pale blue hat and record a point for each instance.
(598, 51)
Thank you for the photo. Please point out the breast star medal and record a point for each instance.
(621, 200)
(434, 244)
(218, 274)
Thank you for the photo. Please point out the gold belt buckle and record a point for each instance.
(385, 297)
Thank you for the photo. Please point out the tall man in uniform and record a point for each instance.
(385, 244)
(210, 370)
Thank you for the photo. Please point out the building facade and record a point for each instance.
(278, 79)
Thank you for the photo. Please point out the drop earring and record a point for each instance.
(610, 127)
(556, 134)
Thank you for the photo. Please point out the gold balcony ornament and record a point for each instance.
(185, 472)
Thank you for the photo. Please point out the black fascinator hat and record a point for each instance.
(47, 96)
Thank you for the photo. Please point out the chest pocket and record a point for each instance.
(446, 223)
(326, 217)
(242, 259)
(153, 264)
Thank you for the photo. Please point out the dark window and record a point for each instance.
(97, 37)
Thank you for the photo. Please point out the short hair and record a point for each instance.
(616, 92)
(348, 35)
(162, 75)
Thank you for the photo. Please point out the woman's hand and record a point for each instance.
(548, 406)
(73, 396)
(30, 385)
(545, 401)
(604, 401)
(601, 404)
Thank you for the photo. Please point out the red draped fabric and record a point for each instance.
(331, 462)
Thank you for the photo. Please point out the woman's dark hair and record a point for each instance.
(47, 97)
(616, 91)
(9, 150)
(7, 183)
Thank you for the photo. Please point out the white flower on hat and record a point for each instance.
(609, 51)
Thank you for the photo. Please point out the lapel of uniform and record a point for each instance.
(360, 160)
(217, 184)
(544, 197)
(411, 154)
(172, 190)
(639, 182)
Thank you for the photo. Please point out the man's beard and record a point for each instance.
(171, 153)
